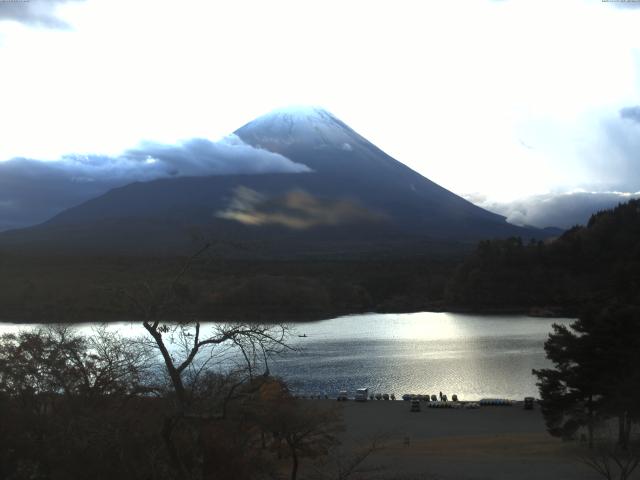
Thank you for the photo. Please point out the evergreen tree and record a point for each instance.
(596, 374)
(569, 392)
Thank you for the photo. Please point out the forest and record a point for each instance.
(587, 265)
(75, 289)
(590, 263)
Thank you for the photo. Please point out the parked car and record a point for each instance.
(362, 394)
(342, 396)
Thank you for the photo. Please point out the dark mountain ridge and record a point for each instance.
(355, 198)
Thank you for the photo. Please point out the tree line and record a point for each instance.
(587, 264)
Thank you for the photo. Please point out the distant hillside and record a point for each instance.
(355, 198)
(595, 263)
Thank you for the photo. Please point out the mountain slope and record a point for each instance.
(325, 144)
(356, 198)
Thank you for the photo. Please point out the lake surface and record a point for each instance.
(473, 356)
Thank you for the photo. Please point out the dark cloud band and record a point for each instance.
(40, 13)
(32, 191)
(631, 113)
(562, 210)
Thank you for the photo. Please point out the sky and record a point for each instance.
(529, 108)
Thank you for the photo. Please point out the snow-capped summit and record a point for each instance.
(308, 126)
(318, 139)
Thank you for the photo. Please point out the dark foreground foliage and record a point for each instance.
(73, 407)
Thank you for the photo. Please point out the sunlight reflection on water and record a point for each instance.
(473, 356)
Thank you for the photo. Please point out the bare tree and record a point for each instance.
(186, 346)
(345, 463)
(57, 360)
(190, 350)
(298, 428)
(612, 462)
(61, 391)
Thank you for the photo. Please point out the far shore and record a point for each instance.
(293, 317)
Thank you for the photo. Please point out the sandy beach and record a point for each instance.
(489, 443)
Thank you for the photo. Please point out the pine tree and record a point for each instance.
(596, 374)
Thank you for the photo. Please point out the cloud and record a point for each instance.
(199, 156)
(614, 158)
(32, 191)
(601, 153)
(630, 4)
(296, 209)
(631, 113)
(41, 13)
(562, 210)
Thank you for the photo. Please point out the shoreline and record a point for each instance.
(283, 317)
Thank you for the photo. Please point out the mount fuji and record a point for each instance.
(350, 197)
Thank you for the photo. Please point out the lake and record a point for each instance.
(473, 356)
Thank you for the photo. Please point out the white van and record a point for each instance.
(362, 394)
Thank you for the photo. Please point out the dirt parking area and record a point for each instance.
(489, 443)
